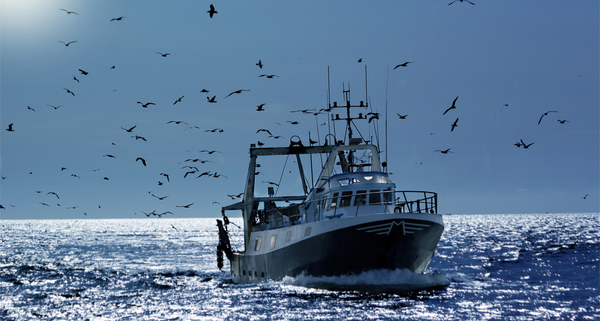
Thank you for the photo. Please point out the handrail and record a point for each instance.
(408, 202)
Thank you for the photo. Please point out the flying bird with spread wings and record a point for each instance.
(212, 11)
(451, 107)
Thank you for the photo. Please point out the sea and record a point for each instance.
(486, 267)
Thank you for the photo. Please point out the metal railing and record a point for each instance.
(399, 201)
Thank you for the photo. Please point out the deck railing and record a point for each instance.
(396, 201)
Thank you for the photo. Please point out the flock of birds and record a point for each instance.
(189, 169)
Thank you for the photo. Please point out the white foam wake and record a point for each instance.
(375, 281)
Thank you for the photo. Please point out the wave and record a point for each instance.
(375, 281)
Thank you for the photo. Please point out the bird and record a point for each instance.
(443, 151)
(454, 124)
(268, 76)
(160, 198)
(212, 11)
(130, 129)
(276, 137)
(260, 143)
(585, 197)
(69, 92)
(374, 116)
(83, 72)
(57, 107)
(451, 107)
(146, 104)
(75, 78)
(402, 116)
(117, 19)
(210, 152)
(190, 172)
(53, 193)
(260, 107)
(211, 100)
(178, 100)
(563, 121)
(139, 137)
(220, 130)
(165, 175)
(293, 122)
(264, 130)
(204, 90)
(545, 114)
(359, 60)
(109, 155)
(461, 1)
(403, 64)
(518, 144)
(204, 174)
(10, 127)
(259, 64)
(185, 206)
(197, 160)
(69, 12)
(237, 92)
(270, 183)
(67, 43)
(163, 54)
(29, 108)
(177, 122)
(141, 159)
(215, 175)
(525, 145)
(173, 226)
(113, 67)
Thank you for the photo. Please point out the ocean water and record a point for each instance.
(487, 267)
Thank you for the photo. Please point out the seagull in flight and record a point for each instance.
(69, 12)
(56, 107)
(402, 116)
(212, 11)
(117, 19)
(212, 100)
(165, 175)
(560, 121)
(141, 159)
(185, 206)
(178, 100)
(546, 114)
(53, 193)
(461, 1)
(259, 64)
(146, 104)
(454, 124)
(159, 197)
(130, 129)
(443, 151)
(177, 122)
(237, 92)
(268, 76)
(69, 92)
(83, 72)
(163, 54)
(404, 64)
(451, 107)
(10, 127)
(525, 146)
(260, 107)
(67, 43)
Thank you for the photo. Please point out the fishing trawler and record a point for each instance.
(350, 221)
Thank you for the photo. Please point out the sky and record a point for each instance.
(508, 62)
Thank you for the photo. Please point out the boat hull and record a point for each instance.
(342, 246)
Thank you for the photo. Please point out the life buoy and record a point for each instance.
(397, 209)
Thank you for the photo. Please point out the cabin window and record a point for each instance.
(374, 197)
(288, 236)
(334, 199)
(388, 196)
(273, 241)
(257, 245)
(361, 198)
(346, 198)
(307, 231)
